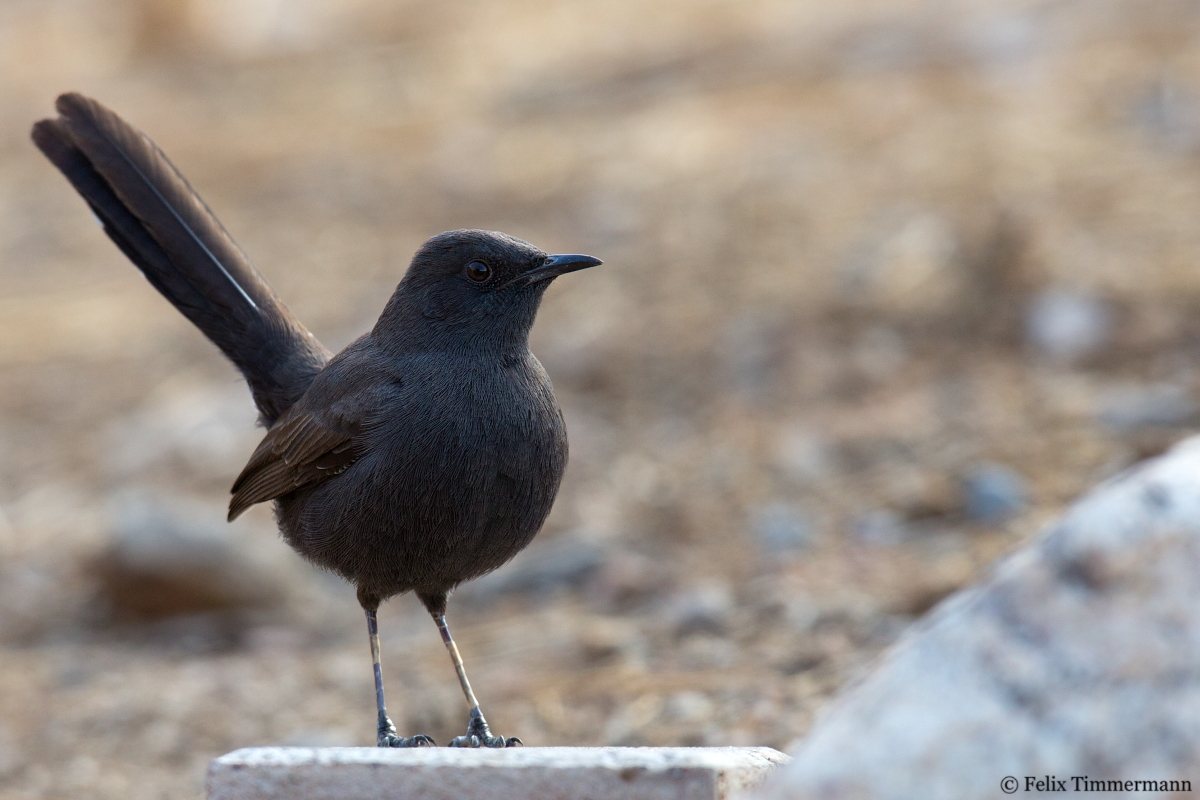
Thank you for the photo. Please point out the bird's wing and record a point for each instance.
(301, 449)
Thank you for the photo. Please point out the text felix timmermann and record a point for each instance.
(1082, 783)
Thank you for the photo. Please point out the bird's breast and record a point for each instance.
(460, 472)
(476, 423)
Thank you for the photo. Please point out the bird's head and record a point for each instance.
(472, 283)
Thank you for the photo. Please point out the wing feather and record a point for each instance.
(299, 450)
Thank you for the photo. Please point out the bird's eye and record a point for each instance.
(478, 271)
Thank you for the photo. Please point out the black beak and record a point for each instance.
(558, 265)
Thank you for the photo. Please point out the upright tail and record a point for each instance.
(162, 225)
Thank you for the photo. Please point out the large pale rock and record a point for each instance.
(526, 773)
(1078, 656)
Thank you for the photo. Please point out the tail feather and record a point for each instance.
(126, 230)
(155, 217)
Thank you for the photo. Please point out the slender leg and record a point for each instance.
(386, 733)
(478, 734)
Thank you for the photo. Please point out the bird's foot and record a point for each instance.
(472, 740)
(386, 736)
(479, 735)
(392, 740)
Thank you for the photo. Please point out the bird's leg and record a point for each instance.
(386, 733)
(478, 734)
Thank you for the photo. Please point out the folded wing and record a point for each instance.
(299, 450)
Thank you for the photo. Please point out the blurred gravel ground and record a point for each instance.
(886, 284)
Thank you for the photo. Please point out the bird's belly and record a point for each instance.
(427, 512)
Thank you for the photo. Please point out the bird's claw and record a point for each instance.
(390, 739)
(386, 736)
(474, 740)
(479, 735)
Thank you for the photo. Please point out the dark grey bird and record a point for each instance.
(426, 453)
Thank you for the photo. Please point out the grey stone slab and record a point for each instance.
(1078, 656)
(525, 773)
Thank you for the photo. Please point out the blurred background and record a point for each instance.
(887, 283)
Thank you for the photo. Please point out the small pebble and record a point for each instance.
(705, 609)
(879, 528)
(1160, 405)
(561, 563)
(994, 493)
(781, 528)
(1067, 326)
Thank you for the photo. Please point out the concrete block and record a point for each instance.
(525, 773)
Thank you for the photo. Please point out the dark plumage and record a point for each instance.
(162, 225)
(426, 453)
